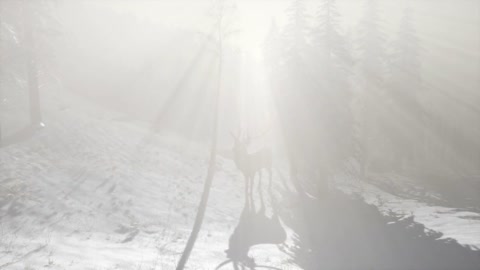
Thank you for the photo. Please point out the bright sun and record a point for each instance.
(252, 20)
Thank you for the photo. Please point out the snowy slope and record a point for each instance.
(95, 195)
(92, 192)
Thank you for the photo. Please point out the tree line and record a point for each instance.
(359, 100)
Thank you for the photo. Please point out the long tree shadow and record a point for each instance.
(339, 232)
(253, 228)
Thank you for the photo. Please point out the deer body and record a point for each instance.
(251, 164)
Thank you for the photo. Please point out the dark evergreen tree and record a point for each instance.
(293, 91)
(272, 47)
(333, 66)
(371, 46)
(370, 99)
(407, 124)
(296, 33)
(328, 41)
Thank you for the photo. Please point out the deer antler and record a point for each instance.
(263, 133)
(236, 135)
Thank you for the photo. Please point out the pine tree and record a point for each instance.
(333, 64)
(287, 61)
(329, 42)
(371, 46)
(293, 86)
(296, 32)
(405, 63)
(404, 89)
(272, 48)
(370, 100)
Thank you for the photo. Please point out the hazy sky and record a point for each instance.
(448, 20)
(448, 29)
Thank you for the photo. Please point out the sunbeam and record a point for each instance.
(244, 134)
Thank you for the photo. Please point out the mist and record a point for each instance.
(222, 134)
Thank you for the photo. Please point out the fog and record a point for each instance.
(208, 134)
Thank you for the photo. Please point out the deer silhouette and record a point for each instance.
(251, 164)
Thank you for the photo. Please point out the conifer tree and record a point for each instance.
(405, 89)
(296, 32)
(333, 64)
(370, 100)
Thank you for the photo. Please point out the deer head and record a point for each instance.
(240, 145)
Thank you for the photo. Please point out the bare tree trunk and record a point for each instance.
(211, 170)
(32, 73)
(1, 102)
(33, 89)
(1, 90)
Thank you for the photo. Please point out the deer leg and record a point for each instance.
(270, 176)
(246, 190)
(260, 192)
(251, 186)
(259, 185)
(270, 191)
(252, 182)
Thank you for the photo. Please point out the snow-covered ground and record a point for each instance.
(463, 226)
(92, 192)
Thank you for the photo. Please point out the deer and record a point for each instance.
(251, 164)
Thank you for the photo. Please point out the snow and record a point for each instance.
(92, 192)
(463, 226)
(94, 195)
